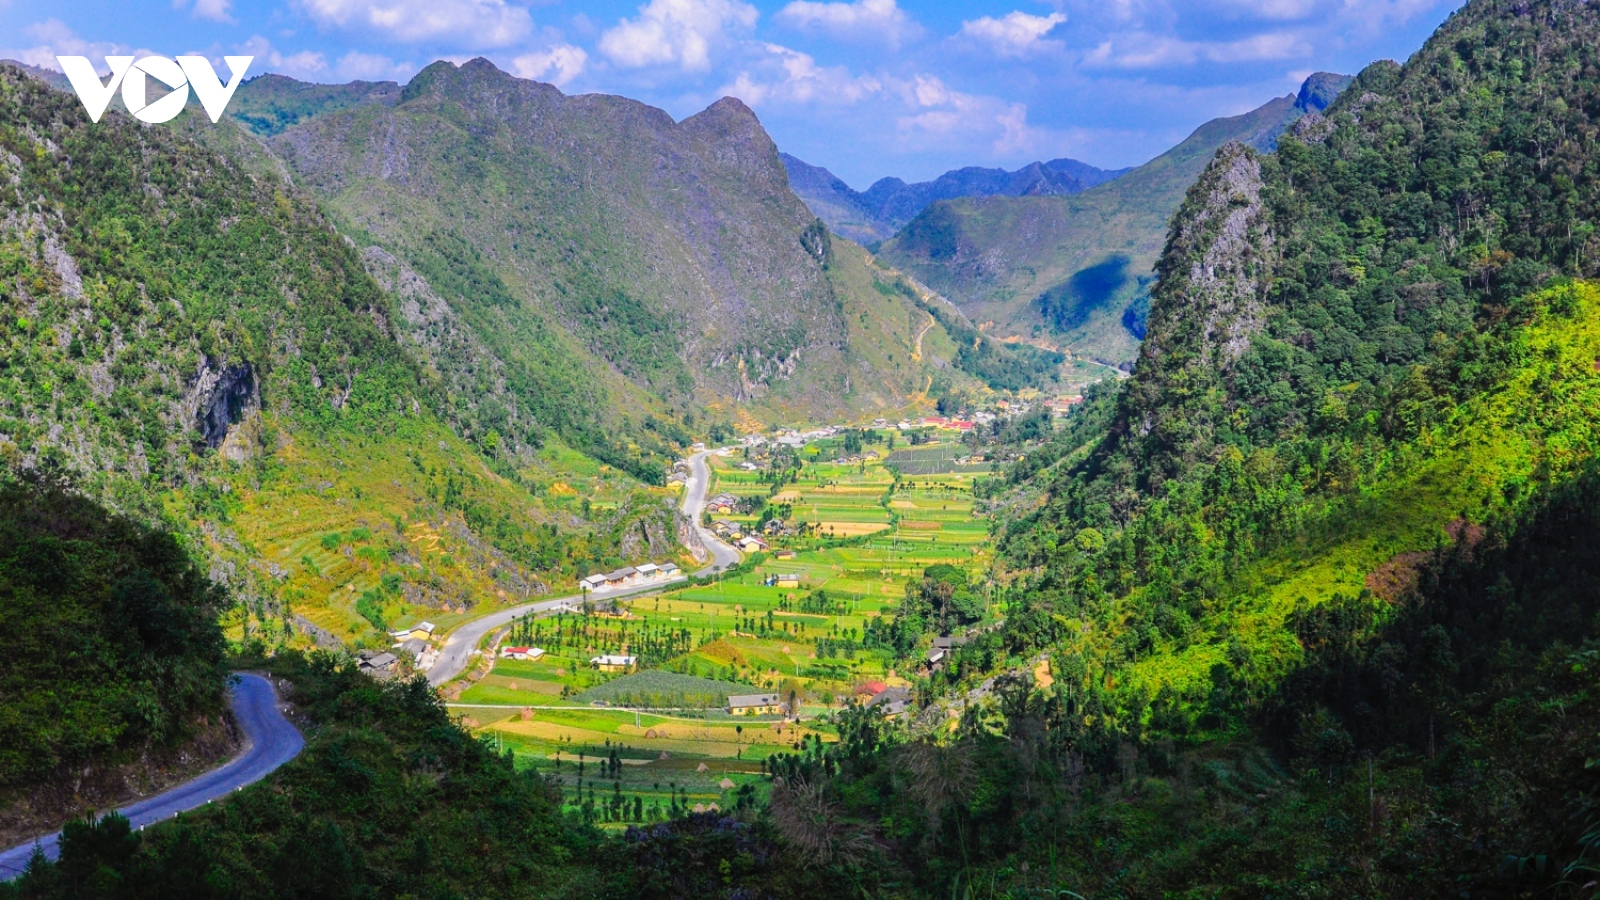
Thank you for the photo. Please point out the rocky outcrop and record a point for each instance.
(224, 395)
(1209, 304)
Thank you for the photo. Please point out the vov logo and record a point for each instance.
(180, 75)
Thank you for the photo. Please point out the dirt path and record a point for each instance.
(916, 351)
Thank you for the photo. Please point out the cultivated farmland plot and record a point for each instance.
(873, 533)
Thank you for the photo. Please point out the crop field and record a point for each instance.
(873, 534)
(936, 460)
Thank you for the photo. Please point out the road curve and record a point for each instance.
(694, 503)
(456, 653)
(270, 741)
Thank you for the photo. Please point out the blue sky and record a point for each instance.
(867, 88)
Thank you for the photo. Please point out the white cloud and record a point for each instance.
(790, 76)
(56, 39)
(358, 66)
(1015, 34)
(675, 32)
(874, 21)
(952, 115)
(476, 23)
(305, 65)
(215, 10)
(557, 65)
(1148, 51)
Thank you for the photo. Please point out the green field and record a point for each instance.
(862, 534)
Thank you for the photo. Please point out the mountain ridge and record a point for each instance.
(873, 215)
(1075, 270)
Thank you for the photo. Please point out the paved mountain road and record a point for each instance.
(270, 739)
(457, 650)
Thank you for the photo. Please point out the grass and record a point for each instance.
(1538, 424)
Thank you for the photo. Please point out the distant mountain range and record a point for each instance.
(878, 212)
(1074, 268)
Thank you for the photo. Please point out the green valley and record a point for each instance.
(592, 520)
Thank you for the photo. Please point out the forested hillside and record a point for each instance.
(196, 344)
(113, 658)
(1317, 585)
(1076, 270)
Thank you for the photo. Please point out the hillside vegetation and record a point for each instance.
(111, 642)
(196, 344)
(598, 264)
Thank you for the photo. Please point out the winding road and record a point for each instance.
(456, 653)
(270, 741)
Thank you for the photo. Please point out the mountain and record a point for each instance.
(875, 214)
(1329, 542)
(1075, 271)
(193, 344)
(614, 267)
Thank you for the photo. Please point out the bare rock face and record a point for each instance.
(1208, 306)
(224, 396)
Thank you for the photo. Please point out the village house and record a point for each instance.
(623, 576)
(593, 583)
(375, 663)
(750, 543)
(891, 702)
(754, 705)
(422, 631)
(611, 663)
(413, 646)
(649, 572)
(869, 689)
(786, 580)
(528, 653)
(786, 554)
(669, 571)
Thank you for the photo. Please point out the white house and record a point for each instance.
(614, 663)
(528, 653)
(649, 572)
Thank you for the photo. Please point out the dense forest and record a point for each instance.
(109, 632)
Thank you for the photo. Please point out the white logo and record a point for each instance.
(187, 72)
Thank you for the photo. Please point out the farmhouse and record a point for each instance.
(786, 554)
(622, 576)
(593, 582)
(785, 580)
(378, 665)
(414, 646)
(669, 571)
(614, 663)
(754, 704)
(870, 689)
(891, 702)
(751, 544)
(528, 653)
(649, 572)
